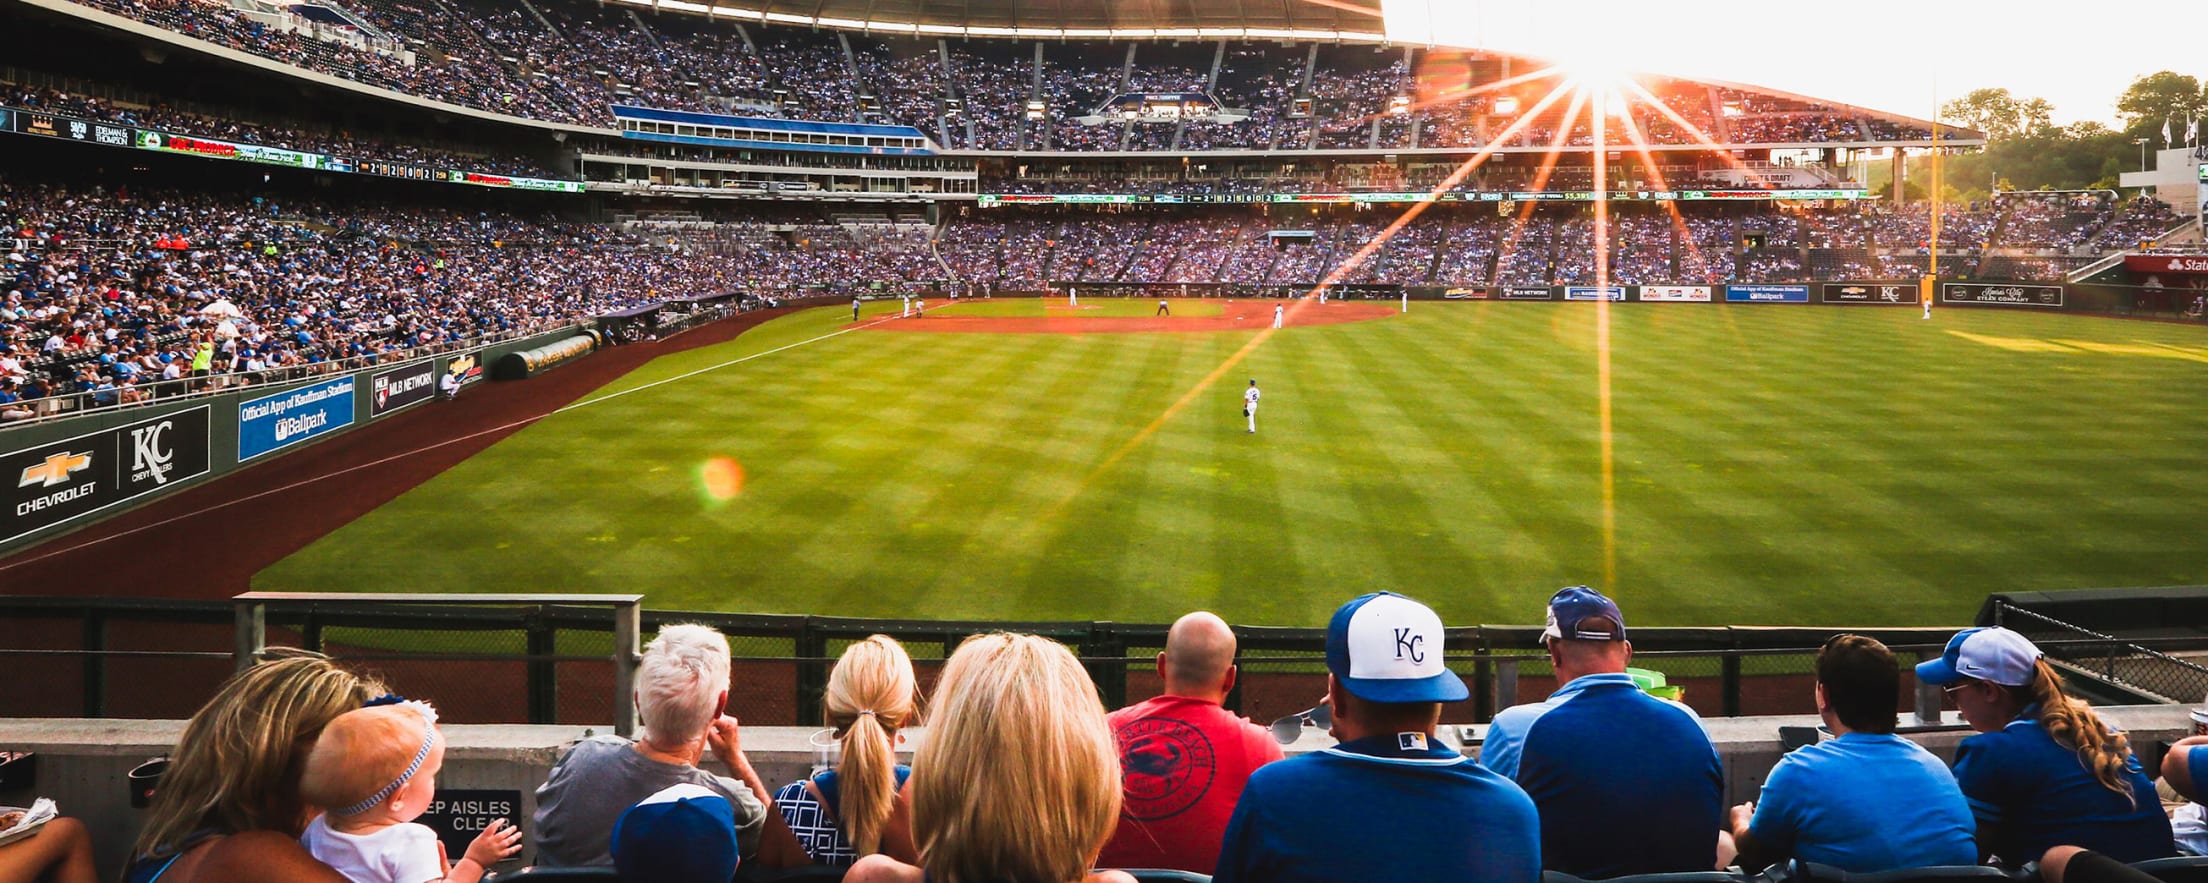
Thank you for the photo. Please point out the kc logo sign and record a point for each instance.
(149, 457)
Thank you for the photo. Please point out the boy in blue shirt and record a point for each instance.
(1867, 800)
(1391, 801)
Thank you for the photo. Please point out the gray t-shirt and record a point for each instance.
(599, 779)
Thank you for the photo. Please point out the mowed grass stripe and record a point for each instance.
(1774, 465)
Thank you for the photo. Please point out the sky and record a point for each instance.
(1882, 54)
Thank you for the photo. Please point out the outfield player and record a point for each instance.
(1279, 312)
(854, 309)
(1163, 309)
(1249, 402)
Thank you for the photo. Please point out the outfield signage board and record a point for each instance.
(1889, 293)
(1523, 292)
(1767, 294)
(64, 480)
(1464, 294)
(1588, 292)
(988, 200)
(279, 420)
(397, 388)
(2001, 294)
(1675, 294)
(2166, 263)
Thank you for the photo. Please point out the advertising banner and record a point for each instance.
(2009, 294)
(1888, 293)
(481, 179)
(1524, 292)
(63, 480)
(2167, 263)
(1675, 294)
(275, 156)
(279, 420)
(1587, 292)
(1465, 294)
(397, 388)
(1767, 294)
(468, 367)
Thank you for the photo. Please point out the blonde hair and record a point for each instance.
(1019, 776)
(679, 682)
(238, 764)
(360, 753)
(2075, 726)
(870, 696)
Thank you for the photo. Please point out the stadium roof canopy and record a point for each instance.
(1200, 19)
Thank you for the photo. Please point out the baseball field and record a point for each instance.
(1767, 465)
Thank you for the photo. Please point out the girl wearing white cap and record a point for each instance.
(2044, 769)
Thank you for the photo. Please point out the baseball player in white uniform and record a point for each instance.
(1279, 311)
(1249, 403)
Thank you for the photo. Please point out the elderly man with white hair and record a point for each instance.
(681, 697)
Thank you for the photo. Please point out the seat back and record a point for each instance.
(1811, 872)
(556, 875)
(1160, 875)
(2182, 869)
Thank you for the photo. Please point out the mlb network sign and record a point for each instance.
(279, 420)
(68, 479)
(399, 387)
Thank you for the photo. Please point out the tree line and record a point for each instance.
(2025, 150)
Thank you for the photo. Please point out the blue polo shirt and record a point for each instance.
(1865, 803)
(1627, 783)
(2030, 793)
(1378, 808)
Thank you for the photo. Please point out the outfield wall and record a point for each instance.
(76, 471)
(493, 771)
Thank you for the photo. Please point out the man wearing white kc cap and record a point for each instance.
(1391, 800)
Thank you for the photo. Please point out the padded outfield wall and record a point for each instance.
(75, 471)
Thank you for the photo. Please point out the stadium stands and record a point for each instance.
(569, 62)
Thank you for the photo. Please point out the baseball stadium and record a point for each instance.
(465, 344)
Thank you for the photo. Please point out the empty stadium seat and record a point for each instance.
(1679, 877)
(555, 875)
(1811, 872)
(2182, 869)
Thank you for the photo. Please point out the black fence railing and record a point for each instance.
(555, 662)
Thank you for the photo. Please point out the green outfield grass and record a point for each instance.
(1774, 465)
(1057, 307)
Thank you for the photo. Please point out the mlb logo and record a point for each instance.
(1410, 741)
(383, 390)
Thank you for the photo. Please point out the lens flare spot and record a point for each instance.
(721, 479)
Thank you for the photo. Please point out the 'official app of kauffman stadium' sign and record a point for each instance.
(279, 420)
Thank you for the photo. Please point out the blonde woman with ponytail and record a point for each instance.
(2044, 769)
(855, 809)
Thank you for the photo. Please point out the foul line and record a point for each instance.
(18, 562)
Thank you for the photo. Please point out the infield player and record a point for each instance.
(1279, 312)
(1249, 402)
(1163, 309)
(854, 309)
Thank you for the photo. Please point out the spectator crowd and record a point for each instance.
(298, 770)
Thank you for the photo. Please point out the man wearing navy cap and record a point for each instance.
(1391, 801)
(1658, 806)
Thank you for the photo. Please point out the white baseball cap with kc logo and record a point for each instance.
(1384, 647)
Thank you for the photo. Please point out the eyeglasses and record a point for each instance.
(1288, 729)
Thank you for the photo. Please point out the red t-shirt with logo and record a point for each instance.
(1183, 763)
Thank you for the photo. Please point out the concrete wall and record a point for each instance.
(82, 763)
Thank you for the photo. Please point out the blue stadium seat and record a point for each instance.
(1680, 877)
(1811, 872)
(556, 875)
(1160, 875)
(2183, 869)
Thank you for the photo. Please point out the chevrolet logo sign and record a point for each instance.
(55, 470)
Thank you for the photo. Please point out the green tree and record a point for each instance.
(2157, 97)
(1999, 114)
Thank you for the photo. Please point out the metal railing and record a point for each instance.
(78, 404)
(2149, 675)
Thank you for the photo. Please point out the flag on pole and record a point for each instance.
(2192, 129)
(2167, 140)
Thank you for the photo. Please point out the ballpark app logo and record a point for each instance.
(55, 469)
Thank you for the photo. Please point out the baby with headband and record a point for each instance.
(375, 770)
